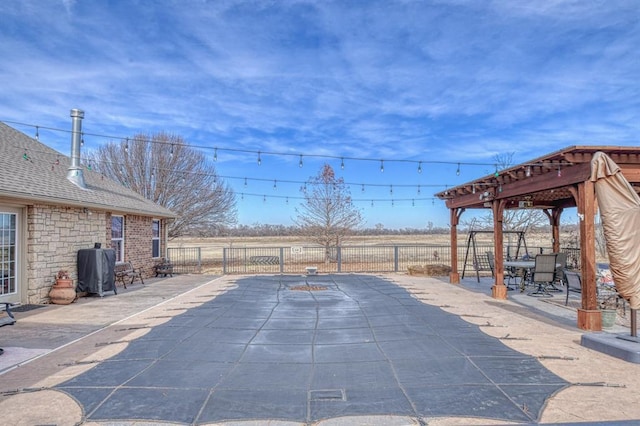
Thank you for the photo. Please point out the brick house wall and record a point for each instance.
(55, 234)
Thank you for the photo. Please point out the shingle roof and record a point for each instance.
(42, 177)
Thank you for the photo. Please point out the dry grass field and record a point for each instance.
(212, 248)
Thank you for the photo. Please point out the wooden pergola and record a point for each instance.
(551, 183)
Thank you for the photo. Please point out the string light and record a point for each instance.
(253, 151)
(382, 166)
(275, 185)
(371, 203)
(126, 146)
(420, 167)
(473, 188)
(363, 187)
(496, 174)
(528, 171)
(418, 189)
(390, 189)
(245, 182)
(342, 163)
(392, 203)
(458, 170)
(37, 133)
(215, 154)
(171, 152)
(413, 203)
(300, 164)
(259, 159)
(264, 198)
(82, 139)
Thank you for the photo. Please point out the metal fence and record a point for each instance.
(383, 258)
(185, 260)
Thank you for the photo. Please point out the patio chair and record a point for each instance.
(492, 263)
(543, 274)
(516, 277)
(561, 264)
(573, 283)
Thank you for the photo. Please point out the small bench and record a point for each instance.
(125, 271)
(7, 319)
(164, 267)
(264, 260)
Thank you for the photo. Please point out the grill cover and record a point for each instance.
(96, 271)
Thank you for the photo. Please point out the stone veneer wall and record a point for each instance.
(54, 236)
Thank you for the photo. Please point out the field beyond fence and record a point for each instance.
(373, 254)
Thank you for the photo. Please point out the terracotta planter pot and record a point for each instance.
(62, 292)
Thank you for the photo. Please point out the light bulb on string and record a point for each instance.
(37, 133)
(559, 172)
(82, 139)
(371, 203)
(259, 159)
(215, 154)
(528, 171)
(418, 189)
(420, 167)
(473, 188)
(245, 182)
(381, 166)
(363, 187)
(264, 198)
(126, 146)
(275, 185)
(496, 174)
(287, 200)
(393, 203)
(171, 152)
(300, 164)
(390, 189)
(458, 170)
(342, 163)
(413, 203)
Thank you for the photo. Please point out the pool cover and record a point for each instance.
(311, 348)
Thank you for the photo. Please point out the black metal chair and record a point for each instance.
(543, 274)
(573, 282)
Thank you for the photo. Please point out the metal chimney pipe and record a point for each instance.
(75, 170)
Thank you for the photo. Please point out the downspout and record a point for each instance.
(75, 170)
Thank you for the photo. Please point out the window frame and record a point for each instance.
(117, 243)
(156, 232)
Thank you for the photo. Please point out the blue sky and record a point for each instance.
(448, 81)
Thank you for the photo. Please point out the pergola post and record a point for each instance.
(454, 275)
(554, 222)
(589, 317)
(499, 290)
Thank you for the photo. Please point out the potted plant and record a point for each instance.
(62, 292)
(608, 304)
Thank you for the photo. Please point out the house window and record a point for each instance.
(8, 251)
(117, 236)
(155, 238)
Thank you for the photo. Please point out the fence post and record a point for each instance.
(281, 260)
(395, 258)
(199, 261)
(339, 259)
(224, 261)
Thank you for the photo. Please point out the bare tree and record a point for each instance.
(327, 214)
(163, 169)
(513, 219)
